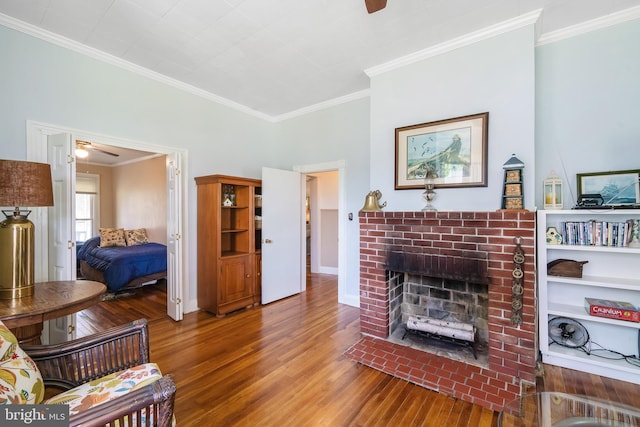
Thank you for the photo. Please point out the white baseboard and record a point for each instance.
(328, 270)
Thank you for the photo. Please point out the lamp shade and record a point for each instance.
(25, 184)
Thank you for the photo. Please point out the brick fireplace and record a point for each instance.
(446, 244)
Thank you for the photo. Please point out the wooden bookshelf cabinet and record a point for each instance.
(611, 273)
(229, 242)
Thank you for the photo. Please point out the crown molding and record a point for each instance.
(588, 26)
(456, 43)
(77, 47)
(323, 105)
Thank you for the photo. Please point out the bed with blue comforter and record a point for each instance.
(120, 267)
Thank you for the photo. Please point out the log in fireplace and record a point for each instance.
(464, 249)
(443, 331)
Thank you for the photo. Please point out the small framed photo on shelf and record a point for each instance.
(454, 150)
(617, 188)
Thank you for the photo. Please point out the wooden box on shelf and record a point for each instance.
(228, 243)
(565, 267)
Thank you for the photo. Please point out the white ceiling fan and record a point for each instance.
(83, 148)
(375, 5)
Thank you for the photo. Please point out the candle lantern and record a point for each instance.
(553, 192)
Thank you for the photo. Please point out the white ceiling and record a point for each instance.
(276, 57)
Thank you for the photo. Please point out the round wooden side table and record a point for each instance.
(50, 300)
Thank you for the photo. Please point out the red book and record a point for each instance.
(612, 309)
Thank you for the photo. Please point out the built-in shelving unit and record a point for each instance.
(611, 272)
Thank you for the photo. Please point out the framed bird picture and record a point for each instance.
(451, 152)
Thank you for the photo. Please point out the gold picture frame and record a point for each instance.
(455, 150)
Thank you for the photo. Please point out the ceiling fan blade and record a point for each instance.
(109, 153)
(89, 146)
(375, 5)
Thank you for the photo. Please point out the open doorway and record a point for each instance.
(38, 149)
(338, 198)
(128, 195)
(322, 222)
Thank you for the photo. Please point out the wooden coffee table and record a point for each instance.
(50, 300)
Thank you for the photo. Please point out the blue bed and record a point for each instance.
(120, 267)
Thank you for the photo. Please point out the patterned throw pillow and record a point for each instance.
(111, 237)
(20, 379)
(136, 237)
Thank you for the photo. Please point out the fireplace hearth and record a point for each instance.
(451, 266)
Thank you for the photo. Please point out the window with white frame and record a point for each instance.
(87, 206)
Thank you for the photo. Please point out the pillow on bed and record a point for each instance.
(136, 237)
(111, 237)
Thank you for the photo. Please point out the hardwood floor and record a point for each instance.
(282, 364)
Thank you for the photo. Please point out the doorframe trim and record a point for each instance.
(341, 167)
(37, 151)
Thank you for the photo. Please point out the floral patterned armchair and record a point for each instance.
(105, 379)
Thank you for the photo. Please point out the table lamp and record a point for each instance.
(21, 184)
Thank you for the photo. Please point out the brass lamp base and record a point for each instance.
(16, 256)
(17, 293)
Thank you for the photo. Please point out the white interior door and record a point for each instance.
(283, 244)
(61, 226)
(174, 237)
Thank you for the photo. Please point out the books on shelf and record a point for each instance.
(597, 233)
(612, 309)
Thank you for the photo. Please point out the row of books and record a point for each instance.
(596, 233)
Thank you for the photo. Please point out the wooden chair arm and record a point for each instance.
(157, 398)
(69, 364)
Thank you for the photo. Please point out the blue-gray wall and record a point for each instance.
(494, 75)
(574, 100)
(588, 106)
(49, 84)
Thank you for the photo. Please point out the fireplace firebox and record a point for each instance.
(439, 315)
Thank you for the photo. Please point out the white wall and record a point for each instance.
(495, 76)
(327, 189)
(588, 106)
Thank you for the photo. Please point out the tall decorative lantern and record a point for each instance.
(513, 190)
(553, 191)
